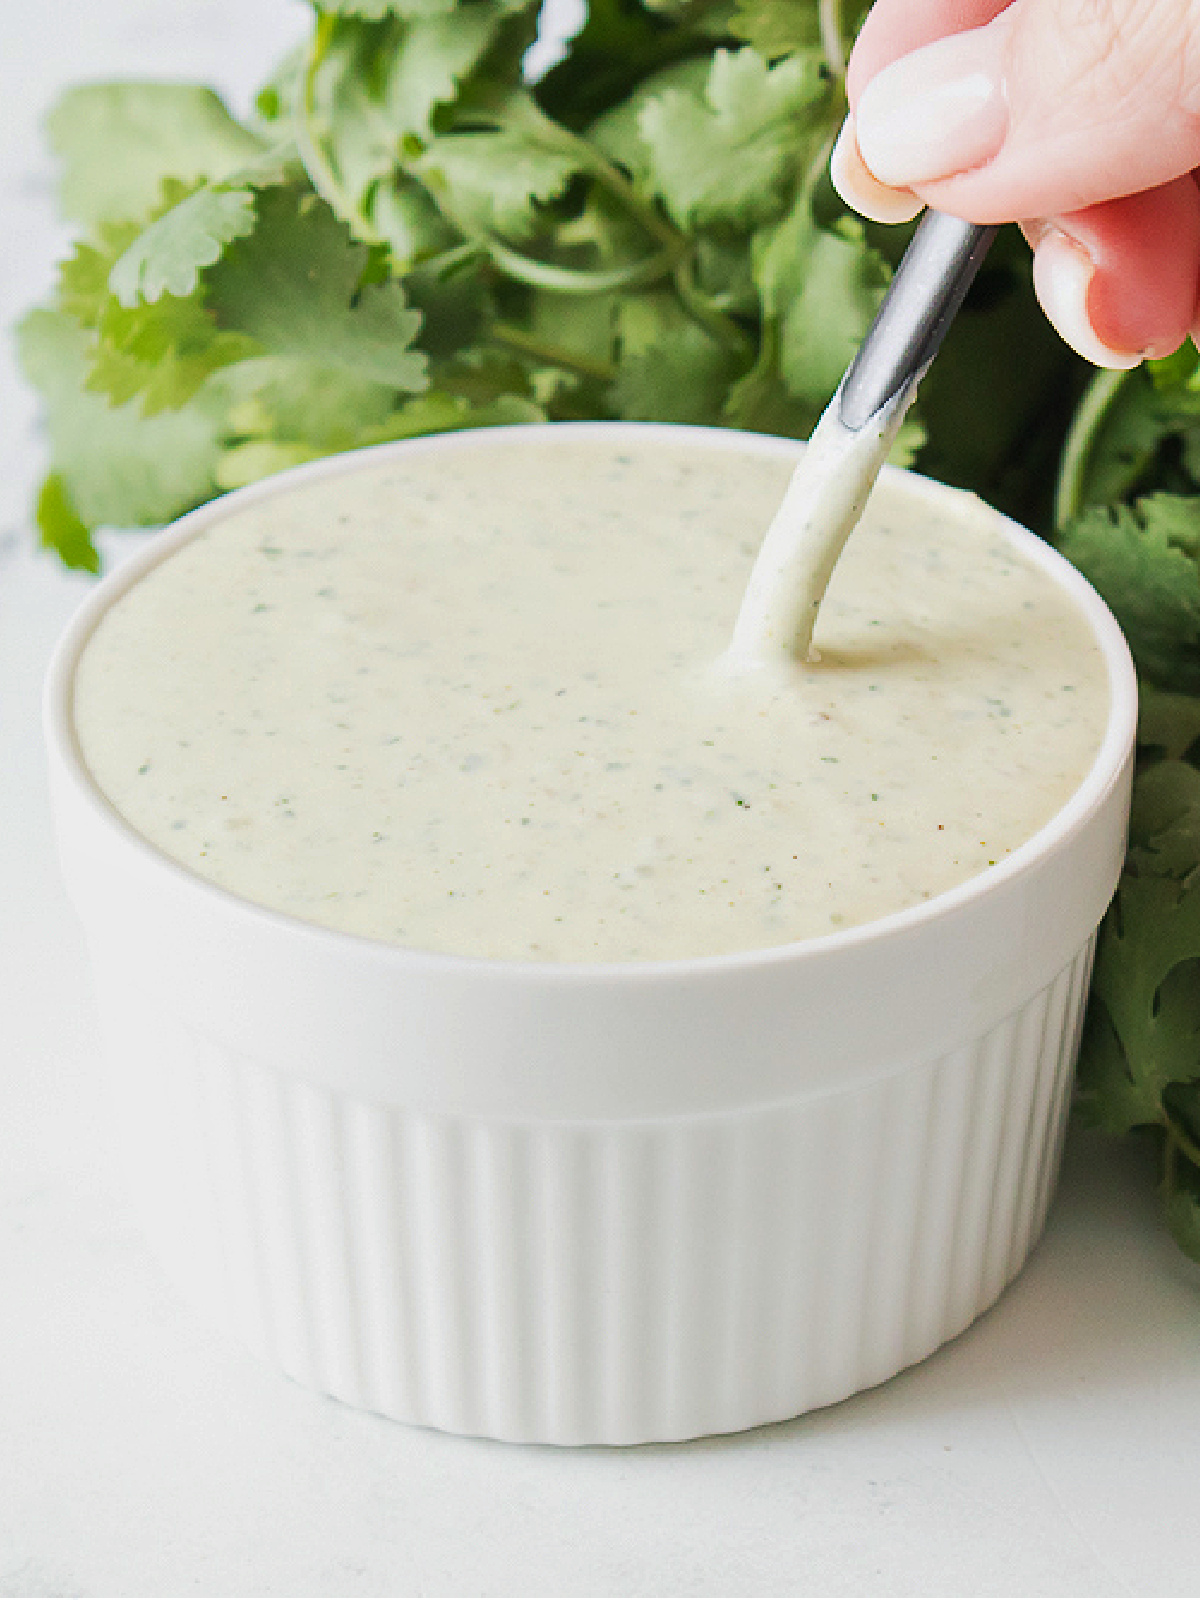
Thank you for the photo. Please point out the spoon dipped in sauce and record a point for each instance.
(850, 444)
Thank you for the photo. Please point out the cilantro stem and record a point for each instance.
(710, 317)
(518, 112)
(320, 169)
(765, 365)
(1089, 418)
(829, 20)
(648, 215)
(521, 112)
(579, 280)
(552, 354)
(447, 262)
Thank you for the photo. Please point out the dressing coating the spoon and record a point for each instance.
(850, 444)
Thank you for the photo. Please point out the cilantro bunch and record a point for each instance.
(409, 235)
(1128, 515)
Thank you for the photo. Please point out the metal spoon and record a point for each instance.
(829, 488)
(929, 286)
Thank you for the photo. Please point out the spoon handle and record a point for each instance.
(929, 286)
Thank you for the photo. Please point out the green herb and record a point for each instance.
(1128, 512)
(409, 237)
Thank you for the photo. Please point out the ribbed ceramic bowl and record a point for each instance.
(585, 1204)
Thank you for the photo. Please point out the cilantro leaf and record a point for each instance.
(491, 181)
(724, 271)
(163, 352)
(295, 285)
(192, 230)
(117, 468)
(374, 88)
(119, 141)
(1135, 419)
(617, 131)
(1168, 724)
(279, 427)
(1139, 1064)
(83, 290)
(434, 60)
(62, 528)
(668, 369)
(1164, 823)
(1144, 1034)
(776, 27)
(168, 256)
(1142, 559)
(248, 460)
(1129, 434)
(405, 218)
(760, 402)
(436, 412)
(823, 286)
(582, 329)
(301, 402)
(731, 157)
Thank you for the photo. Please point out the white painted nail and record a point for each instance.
(1062, 275)
(935, 112)
(860, 190)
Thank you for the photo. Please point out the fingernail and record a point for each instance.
(1062, 277)
(935, 112)
(861, 192)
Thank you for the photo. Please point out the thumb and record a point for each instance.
(1051, 106)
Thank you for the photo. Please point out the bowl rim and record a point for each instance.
(1090, 796)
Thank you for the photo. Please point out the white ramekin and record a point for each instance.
(592, 1204)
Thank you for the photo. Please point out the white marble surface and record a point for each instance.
(1053, 1449)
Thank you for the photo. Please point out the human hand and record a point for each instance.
(1080, 121)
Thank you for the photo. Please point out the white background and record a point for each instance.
(1053, 1449)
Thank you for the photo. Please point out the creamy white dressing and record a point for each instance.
(464, 702)
(820, 509)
